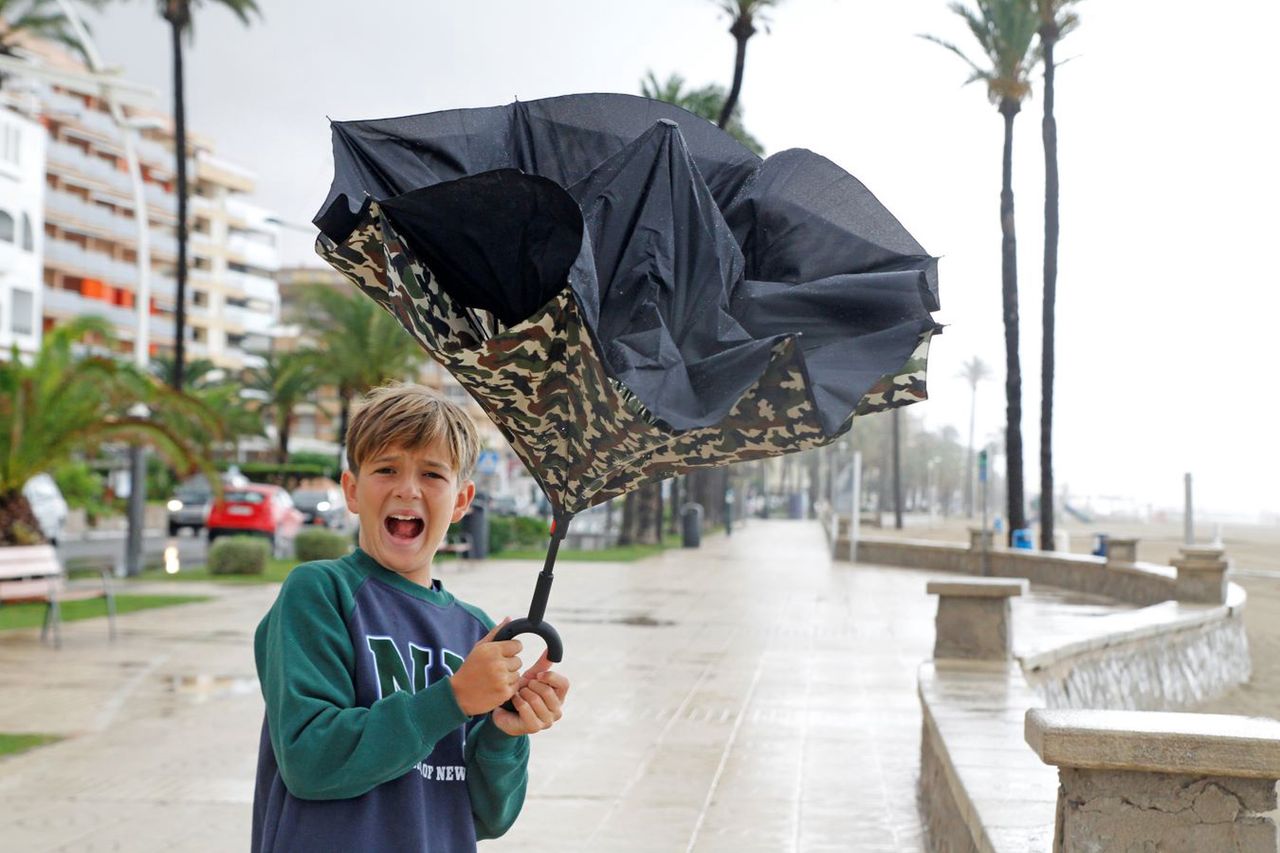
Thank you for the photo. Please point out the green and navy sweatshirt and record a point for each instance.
(364, 746)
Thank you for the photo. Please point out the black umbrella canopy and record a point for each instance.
(626, 290)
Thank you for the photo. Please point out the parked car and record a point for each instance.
(47, 505)
(189, 506)
(256, 509)
(323, 506)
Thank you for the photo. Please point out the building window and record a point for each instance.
(6, 227)
(23, 309)
(11, 144)
(28, 239)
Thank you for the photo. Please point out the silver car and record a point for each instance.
(47, 505)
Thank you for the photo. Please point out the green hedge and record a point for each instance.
(319, 545)
(511, 532)
(239, 555)
(287, 475)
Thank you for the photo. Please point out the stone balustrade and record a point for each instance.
(995, 659)
(1122, 551)
(974, 619)
(1202, 574)
(1134, 780)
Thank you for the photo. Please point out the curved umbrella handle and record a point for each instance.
(524, 625)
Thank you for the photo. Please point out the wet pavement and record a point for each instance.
(748, 695)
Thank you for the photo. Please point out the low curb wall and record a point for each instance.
(982, 789)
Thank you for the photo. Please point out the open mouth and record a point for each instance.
(404, 527)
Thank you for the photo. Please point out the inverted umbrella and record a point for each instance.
(627, 291)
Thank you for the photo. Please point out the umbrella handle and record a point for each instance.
(533, 624)
(524, 625)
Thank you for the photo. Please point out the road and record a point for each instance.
(107, 549)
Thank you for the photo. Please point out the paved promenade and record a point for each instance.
(745, 696)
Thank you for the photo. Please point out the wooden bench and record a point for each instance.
(32, 574)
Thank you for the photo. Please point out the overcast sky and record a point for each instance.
(1167, 296)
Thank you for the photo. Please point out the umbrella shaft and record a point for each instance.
(541, 592)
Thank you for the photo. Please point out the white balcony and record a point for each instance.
(72, 304)
(253, 286)
(248, 319)
(253, 253)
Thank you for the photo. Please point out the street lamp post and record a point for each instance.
(141, 343)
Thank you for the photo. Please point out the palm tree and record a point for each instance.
(40, 19)
(285, 379)
(1004, 30)
(745, 14)
(706, 101)
(233, 418)
(177, 13)
(66, 402)
(1056, 19)
(975, 370)
(359, 345)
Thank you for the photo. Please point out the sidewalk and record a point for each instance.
(748, 695)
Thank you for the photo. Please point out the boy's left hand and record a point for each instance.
(539, 701)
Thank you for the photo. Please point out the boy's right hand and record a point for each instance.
(489, 675)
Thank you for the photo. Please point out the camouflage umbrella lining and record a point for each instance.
(615, 468)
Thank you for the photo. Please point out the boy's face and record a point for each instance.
(406, 501)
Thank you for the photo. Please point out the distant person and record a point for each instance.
(384, 728)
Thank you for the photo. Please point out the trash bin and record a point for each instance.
(1099, 545)
(691, 525)
(795, 505)
(1022, 539)
(475, 524)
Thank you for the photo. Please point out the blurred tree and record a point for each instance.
(745, 14)
(706, 101)
(975, 370)
(177, 13)
(234, 416)
(1004, 30)
(285, 379)
(359, 346)
(65, 402)
(40, 19)
(1056, 20)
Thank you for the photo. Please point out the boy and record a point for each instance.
(382, 732)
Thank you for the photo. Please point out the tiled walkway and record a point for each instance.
(746, 696)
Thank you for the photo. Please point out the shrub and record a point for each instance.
(512, 532)
(239, 555)
(319, 545)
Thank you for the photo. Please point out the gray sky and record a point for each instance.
(1166, 298)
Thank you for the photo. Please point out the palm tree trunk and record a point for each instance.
(1013, 379)
(180, 152)
(344, 413)
(1049, 129)
(18, 524)
(741, 30)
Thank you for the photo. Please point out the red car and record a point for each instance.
(256, 509)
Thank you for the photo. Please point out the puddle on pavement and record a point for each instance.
(635, 620)
(204, 686)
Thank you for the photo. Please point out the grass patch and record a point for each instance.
(32, 615)
(275, 573)
(14, 744)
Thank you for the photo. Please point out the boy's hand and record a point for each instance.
(539, 701)
(488, 676)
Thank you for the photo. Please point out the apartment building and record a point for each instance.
(22, 148)
(90, 262)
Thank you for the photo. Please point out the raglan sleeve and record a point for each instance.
(497, 769)
(325, 745)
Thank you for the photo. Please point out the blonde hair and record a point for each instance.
(411, 416)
